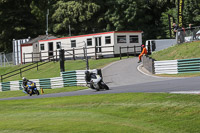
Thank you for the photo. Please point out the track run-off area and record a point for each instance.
(126, 76)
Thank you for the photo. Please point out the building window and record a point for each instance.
(89, 42)
(134, 39)
(121, 39)
(58, 45)
(41, 47)
(107, 40)
(73, 43)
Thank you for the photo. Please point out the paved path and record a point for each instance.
(123, 77)
(125, 72)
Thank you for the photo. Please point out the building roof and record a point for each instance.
(91, 35)
(40, 37)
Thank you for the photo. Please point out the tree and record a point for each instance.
(20, 19)
(191, 14)
(120, 14)
(78, 14)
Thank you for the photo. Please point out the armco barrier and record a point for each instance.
(70, 78)
(189, 65)
(166, 67)
(177, 66)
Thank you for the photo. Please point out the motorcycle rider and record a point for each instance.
(88, 75)
(25, 84)
(94, 80)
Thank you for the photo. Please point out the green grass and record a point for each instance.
(52, 69)
(108, 113)
(6, 94)
(180, 51)
(180, 75)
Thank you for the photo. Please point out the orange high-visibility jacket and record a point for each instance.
(144, 51)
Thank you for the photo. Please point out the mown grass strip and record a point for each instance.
(110, 113)
(52, 69)
(7, 94)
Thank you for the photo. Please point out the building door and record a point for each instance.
(98, 44)
(36, 55)
(50, 48)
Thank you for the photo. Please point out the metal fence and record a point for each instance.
(79, 53)
(6, 59)
(188, 34)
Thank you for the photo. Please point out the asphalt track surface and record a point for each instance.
(128, 76)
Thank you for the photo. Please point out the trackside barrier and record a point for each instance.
(177, 66)
(70, 78)
(189, 65)
(166, 67)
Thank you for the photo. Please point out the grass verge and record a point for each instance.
(6, 94)
(180, 75)
(52, 69)
(179, 51)
(111, 113)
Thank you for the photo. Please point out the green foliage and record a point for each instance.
(24, 18)
(121, 15)
(191, 15)
(73, 13)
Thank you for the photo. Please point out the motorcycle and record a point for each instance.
(94, 80)
(31, 88)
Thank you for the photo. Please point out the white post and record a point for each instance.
(1, 59)
(47, 17)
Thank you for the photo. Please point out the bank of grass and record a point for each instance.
(180, 75)
(110, 113)
(180, 51)
(7, 94)
(52, 69)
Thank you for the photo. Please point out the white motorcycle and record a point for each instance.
(94, 80)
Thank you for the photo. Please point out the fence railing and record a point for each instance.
(188, 34)
(79, 53)
(21, 70)
(73, 54)
(134, 50)
(6, 59)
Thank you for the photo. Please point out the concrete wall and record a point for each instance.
(148, 63)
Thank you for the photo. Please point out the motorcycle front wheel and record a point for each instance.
(104, 86)
(37, 92)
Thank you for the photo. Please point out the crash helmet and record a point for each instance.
(24, 79)
(87, 72)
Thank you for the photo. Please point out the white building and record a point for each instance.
(105, 44)
(17, 50)
(30, 50)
